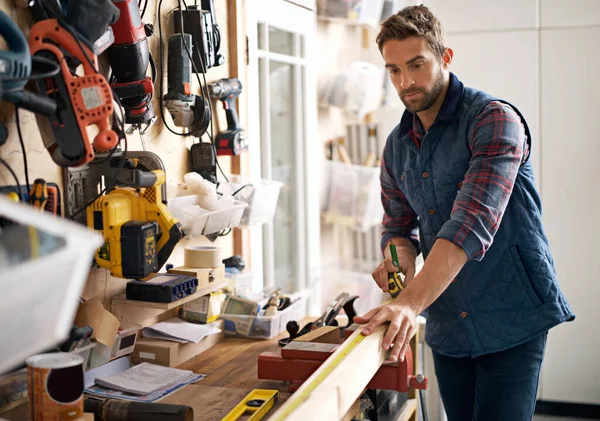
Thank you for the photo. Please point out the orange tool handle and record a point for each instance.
(38, 195)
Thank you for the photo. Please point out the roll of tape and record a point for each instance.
(203, 257)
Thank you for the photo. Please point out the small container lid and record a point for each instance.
(55, 360)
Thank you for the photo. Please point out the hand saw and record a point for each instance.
(82, 101)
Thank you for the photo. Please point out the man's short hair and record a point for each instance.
(413, 21)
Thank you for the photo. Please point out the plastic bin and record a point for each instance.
(260, 195)
(198, 221)
(353, 196)
(263, 327)
(43, 291)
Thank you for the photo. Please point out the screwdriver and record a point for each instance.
(395, 284)
(38, 194)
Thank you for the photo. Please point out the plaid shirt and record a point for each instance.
(498, 147)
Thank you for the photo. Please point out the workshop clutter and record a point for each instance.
(201, 210)
(351, 195)
(257, 326)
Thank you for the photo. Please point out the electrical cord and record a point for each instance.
(204, 87)
(12, 172)
(242, 188)
(25, 167)
(144, 9)
(55, 69)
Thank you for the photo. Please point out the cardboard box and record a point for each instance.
(172, 354)
(206, 276)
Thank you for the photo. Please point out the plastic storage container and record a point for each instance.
(260, 195)
(352, 196)
(263, 327)
(43, 291)
(198, 221)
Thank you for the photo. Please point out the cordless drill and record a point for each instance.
(232, 141)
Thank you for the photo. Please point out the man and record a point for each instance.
(457, 169)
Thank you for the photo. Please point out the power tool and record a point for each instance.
(232, 141)
(15, 71)
(187, 110)
(139, 230)
(129, 57)
(81, 101)
(201, 23)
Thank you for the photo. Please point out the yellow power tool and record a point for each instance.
(139, 230)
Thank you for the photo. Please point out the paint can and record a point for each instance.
(55, 386)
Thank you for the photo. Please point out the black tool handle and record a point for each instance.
(179, 64)
(115, 409)
(33, 102)
(233, 121)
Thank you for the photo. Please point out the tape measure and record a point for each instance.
(302, 395)
(258, 402)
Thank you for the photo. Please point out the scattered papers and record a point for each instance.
(178, 330)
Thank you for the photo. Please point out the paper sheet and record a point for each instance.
(178, 330)
(143, 379)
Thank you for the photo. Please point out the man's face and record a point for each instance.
(415, 71)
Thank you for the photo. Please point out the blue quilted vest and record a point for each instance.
(511, 295)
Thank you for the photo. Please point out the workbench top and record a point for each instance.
(230, 368)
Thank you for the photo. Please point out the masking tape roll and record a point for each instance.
(203, 257)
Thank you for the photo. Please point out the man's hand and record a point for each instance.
(403, 325)
(406, 258)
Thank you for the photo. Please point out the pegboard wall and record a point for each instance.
(172, 149)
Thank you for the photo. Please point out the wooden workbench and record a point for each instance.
(230, 368)
(231, 373)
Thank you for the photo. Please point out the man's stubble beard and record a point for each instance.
(429, 98)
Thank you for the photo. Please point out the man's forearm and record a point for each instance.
(442, 265)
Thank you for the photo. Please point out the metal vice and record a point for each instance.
(298, 360)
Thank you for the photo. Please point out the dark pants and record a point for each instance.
(494, 387)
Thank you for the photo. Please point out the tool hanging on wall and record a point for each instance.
(201, 23)
(82, 100)
(188, 110)
(139, 231)
(16, 70)
(129, 58)
(232, 141)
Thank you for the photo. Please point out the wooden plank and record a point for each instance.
(409, 410)
(215, 286)
(359, 355)
(352, 412)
